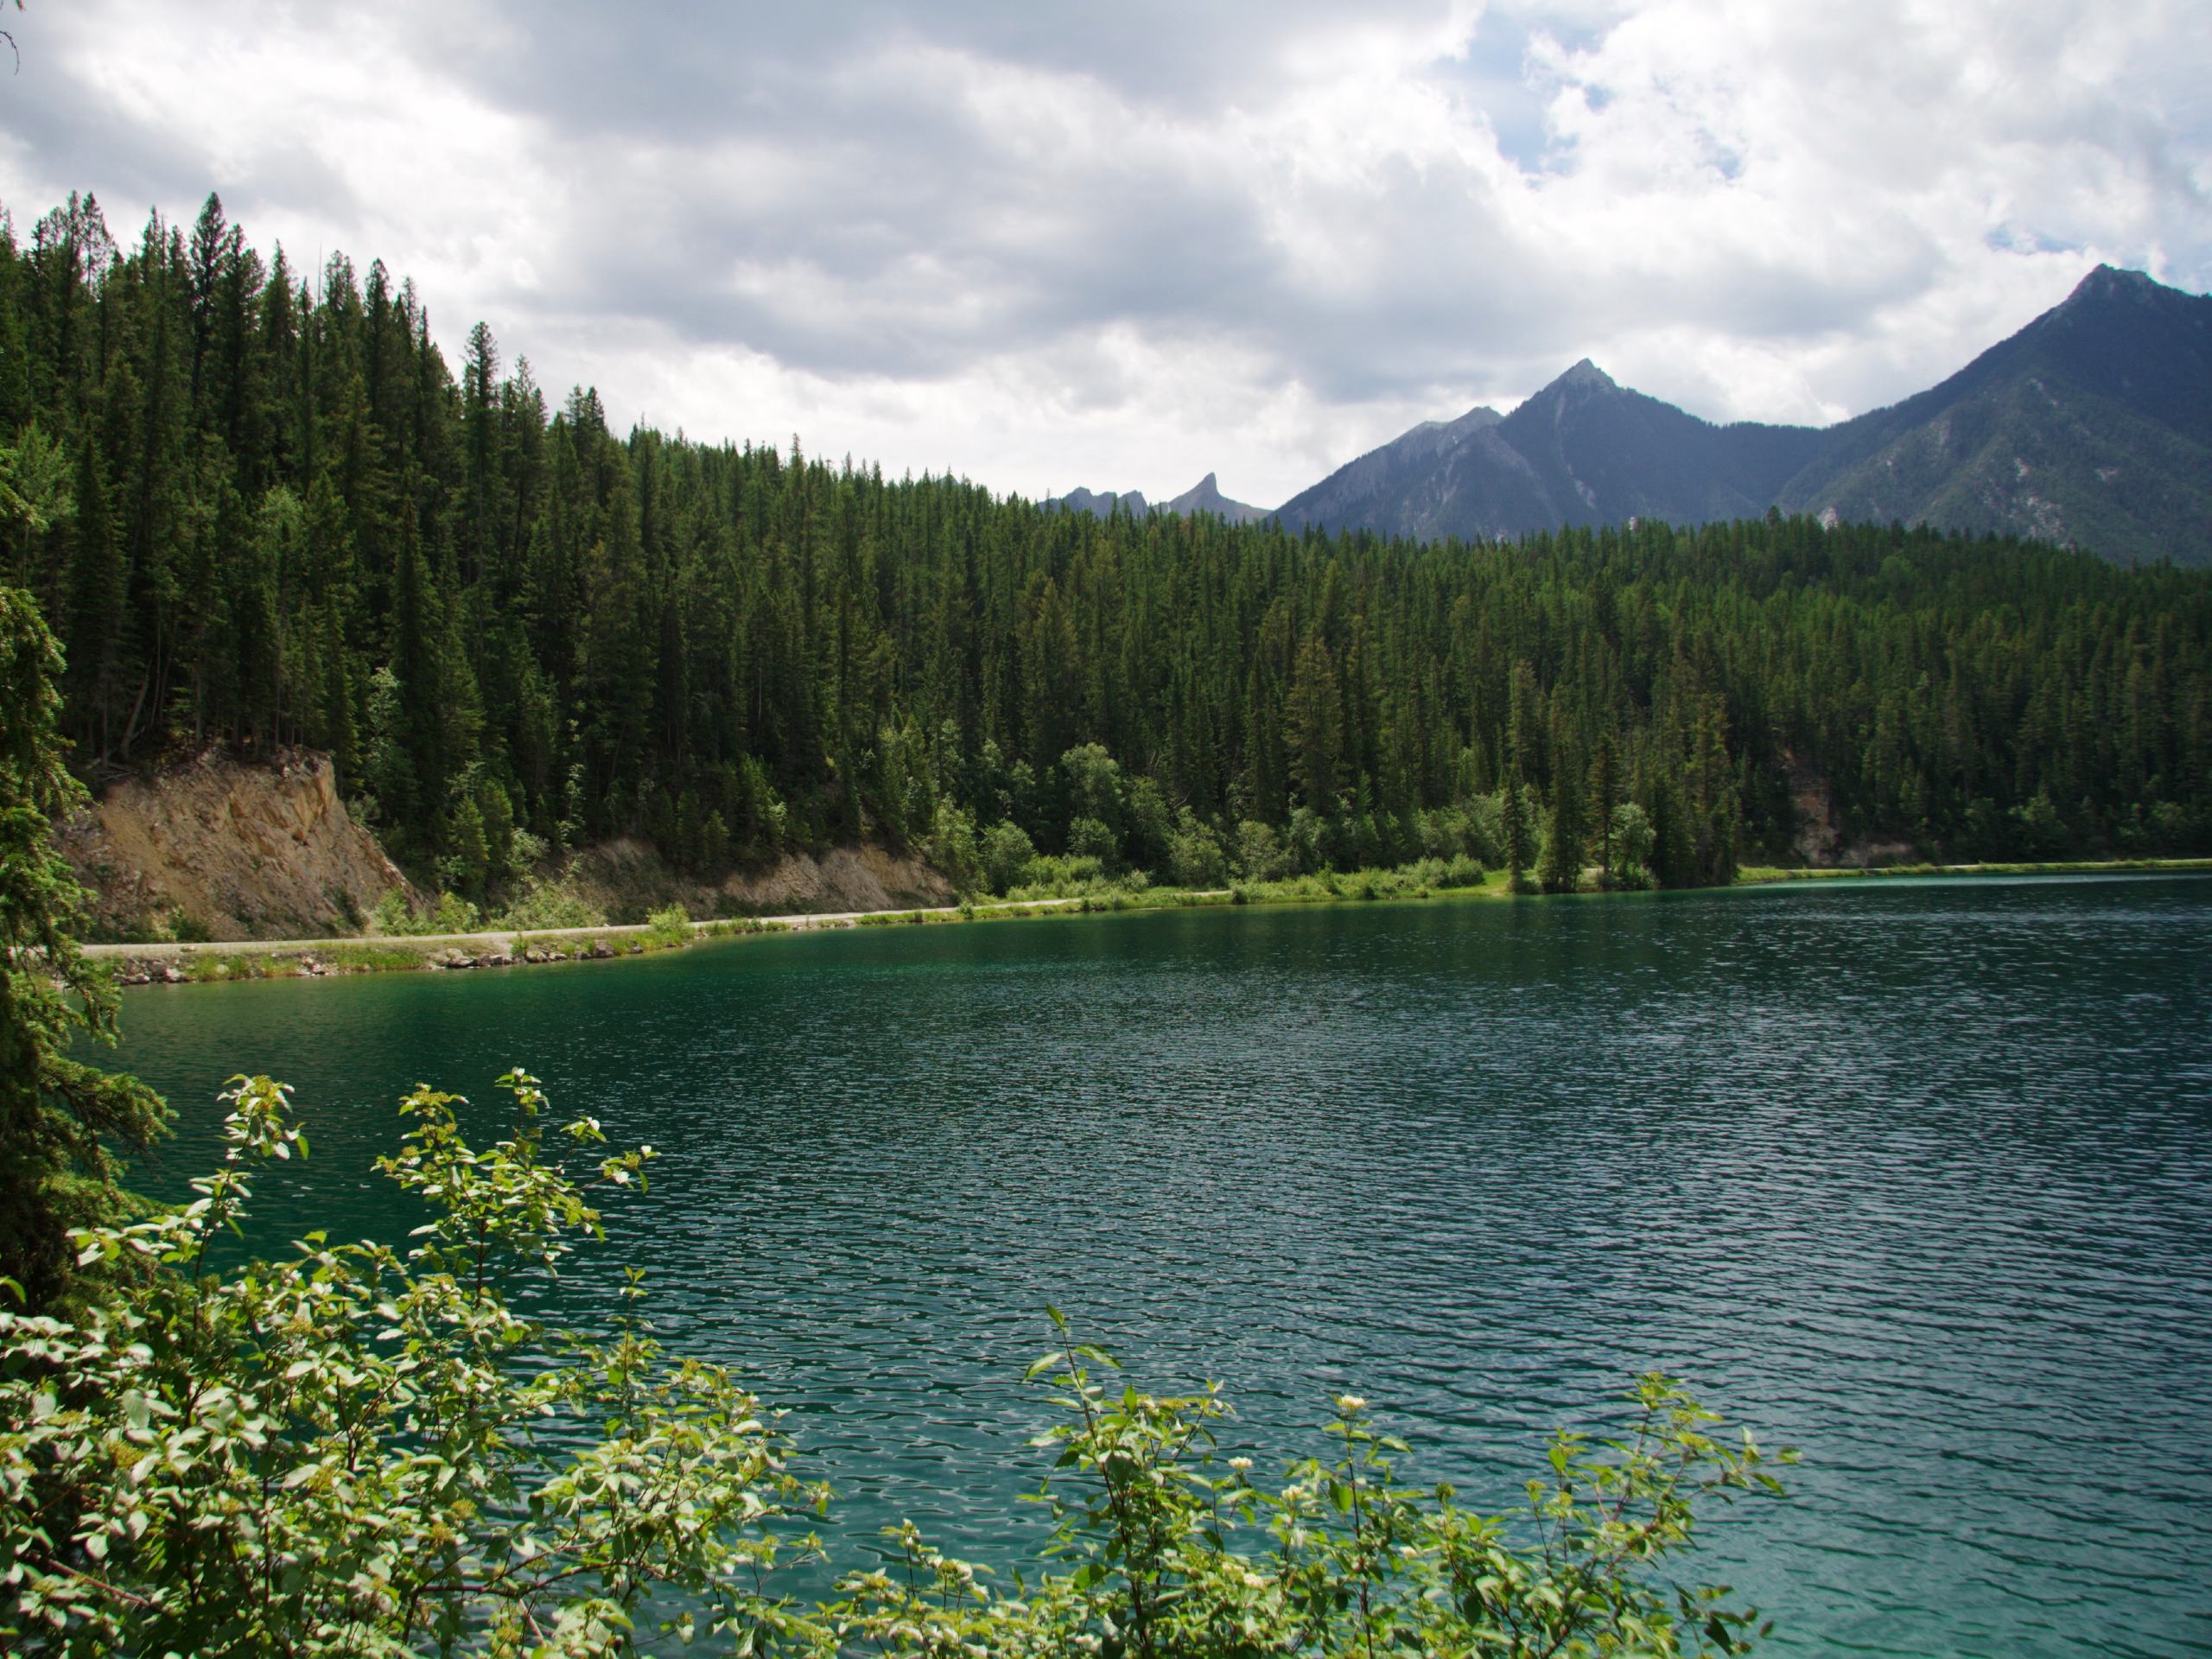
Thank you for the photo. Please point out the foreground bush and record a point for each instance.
(361, 1451)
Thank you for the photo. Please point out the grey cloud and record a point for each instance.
(889, 167)
(875, 188)
(79, 142)
(84, 140)
(893, 164)
(818, 185)
(682, 69)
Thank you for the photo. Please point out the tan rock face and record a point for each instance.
(625, 877)
(237, 851)
(844, 878)
(245, 851)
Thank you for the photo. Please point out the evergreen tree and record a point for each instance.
(1566, 833)
(60, 1118)
(1314, 717)
(1605, 800)
(1513, 826)
(99, 596)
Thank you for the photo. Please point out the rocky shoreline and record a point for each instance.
(199, 964)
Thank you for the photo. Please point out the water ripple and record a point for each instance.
(1916, 1176)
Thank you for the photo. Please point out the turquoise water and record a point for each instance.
(1916, 1176)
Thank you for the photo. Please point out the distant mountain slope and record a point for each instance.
(1582, 451)
(1205, 496)
(2092, 426)
(1416, 484)
(1100, 504)
(1606, 455)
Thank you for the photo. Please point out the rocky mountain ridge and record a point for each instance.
(1205, 496)
(2092, 427)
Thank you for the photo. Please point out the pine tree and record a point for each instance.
(1604, 798)
(1565, 834)
(60, 1117)
(1513, 826)
(1314, 720)
(99, 596)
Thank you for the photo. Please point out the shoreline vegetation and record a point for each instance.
(223, 961)
(262, 511)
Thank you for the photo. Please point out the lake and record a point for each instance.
(1915, 1175)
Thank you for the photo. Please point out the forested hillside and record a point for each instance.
(273, 513)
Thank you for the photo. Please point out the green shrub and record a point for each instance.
(1007, 853)
(391, 913)
(452, 914)
(1259, 852)
(1068, 877)
(1093, 840)
(1194, 855)
(670, 925)
(953, 848)
(201, 966)
(1635, 840)
(548, 905)
(372, 959)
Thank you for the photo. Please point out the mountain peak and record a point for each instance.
(1205, 496)
(1586, 375)
(2092, 422)
(1100, 504)
(2111, 283)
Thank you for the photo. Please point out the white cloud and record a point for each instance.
(1124, 246)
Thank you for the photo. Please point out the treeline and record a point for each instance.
(265, 509)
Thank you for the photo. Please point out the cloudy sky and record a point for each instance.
(1043, 243)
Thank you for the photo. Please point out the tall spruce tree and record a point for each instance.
(1604, 796)
(1566, 830)
(62, 1119)
(1316, 725)
(99, 613)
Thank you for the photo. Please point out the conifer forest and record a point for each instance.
(264, 508)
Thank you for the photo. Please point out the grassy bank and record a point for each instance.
(198, 963)
(1761, 872)
(669, 931)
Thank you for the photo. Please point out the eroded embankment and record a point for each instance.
(236, 852)
(217, 848)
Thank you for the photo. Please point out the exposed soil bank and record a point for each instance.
(627, 877)
(265, 852)
(229, 850)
